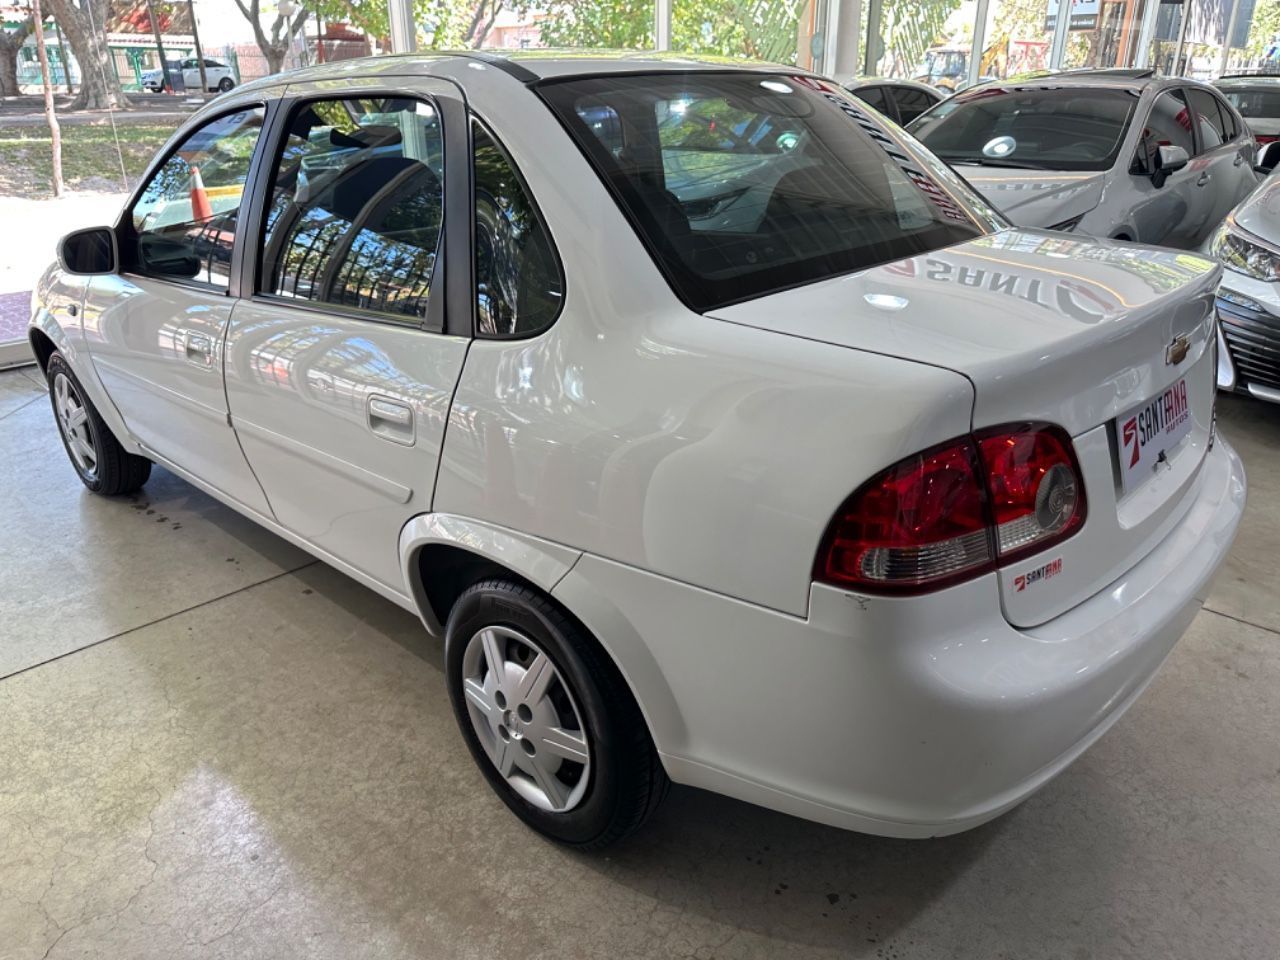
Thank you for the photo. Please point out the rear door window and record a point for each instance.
(1213, 133)
(874, 97)
(742, 184)
(356, 207)
(911, 103)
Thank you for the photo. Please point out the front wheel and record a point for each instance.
(101, 463)
(548, 717)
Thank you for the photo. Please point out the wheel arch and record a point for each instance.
(443, 554)
(42, 346)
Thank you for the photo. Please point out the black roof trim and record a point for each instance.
(505, 64)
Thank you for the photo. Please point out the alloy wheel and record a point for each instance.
(73, 421)
(524, 713)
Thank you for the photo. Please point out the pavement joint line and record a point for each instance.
(151, 623)
(1247, 623)
(23, 406)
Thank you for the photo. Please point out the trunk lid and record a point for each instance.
(1049, 328)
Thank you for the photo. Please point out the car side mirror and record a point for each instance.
(1170, 159)
(89, 252)
(1268, 158)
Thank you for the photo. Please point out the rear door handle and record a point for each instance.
(1238, 160)
(198, 348)
(391, 419)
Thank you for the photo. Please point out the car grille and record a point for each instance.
(1253, 337)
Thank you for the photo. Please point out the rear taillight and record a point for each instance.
(1263, 139)
(955, 511)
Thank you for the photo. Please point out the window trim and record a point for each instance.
(474, 119)
(252, 271)
(125, 221)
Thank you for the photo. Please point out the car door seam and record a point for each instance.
(448, 418)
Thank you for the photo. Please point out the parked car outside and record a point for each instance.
(218, 75)
(1105, 153)
(721, 431)
(1257, 98)
(1248, 244)
(899, 100)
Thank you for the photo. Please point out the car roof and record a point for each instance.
(528, 66)
(1248, 80)
(1136, 81)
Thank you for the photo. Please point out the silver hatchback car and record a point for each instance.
(1105, 153)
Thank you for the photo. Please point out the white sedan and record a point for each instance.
(723, 434)
(219, 77)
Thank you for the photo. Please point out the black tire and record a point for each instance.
(225, 84)
(115, 471)
(626, 781)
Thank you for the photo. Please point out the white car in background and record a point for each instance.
(1257, 98)
(1248, 244)
(218, 75)
(721, 431)
(1108, 153)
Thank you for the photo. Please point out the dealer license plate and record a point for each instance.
(1149, 432)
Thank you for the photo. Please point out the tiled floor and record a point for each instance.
(215, 747)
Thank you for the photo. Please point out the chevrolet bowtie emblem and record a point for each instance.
(1176, 352)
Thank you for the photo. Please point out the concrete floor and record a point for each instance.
(215, 747)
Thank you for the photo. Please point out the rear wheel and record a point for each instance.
(548, 718)
(225, 84)
(101, 463)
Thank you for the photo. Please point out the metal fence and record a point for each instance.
(129, 63)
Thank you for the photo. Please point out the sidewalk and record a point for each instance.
(28, 242)
(146, 107)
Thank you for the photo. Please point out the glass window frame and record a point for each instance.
(475, 119)
(124, 225)
(1137, 166)
(1193, 93)
(287, 109)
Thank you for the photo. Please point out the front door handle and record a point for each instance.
(391, 419)
(1204, 178)
(198, 348)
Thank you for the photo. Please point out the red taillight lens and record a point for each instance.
(1034, 487)
(1263, 139)
(921, 523)
(955, 511)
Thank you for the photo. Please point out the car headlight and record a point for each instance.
(1243, 254)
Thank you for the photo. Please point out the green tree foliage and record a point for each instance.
(909, 28)
(1265, 27)
(761, 29)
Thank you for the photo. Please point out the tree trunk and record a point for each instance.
(84, 27)
(50, 114)
(10, 43)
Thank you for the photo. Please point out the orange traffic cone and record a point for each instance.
(201, 209)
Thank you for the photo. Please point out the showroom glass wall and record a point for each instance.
(952, 44)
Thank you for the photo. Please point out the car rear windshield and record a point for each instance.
(743, 184)
(1255, 101)
(1067, 128)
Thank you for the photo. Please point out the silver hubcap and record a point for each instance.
(73, 420)
(525, 716)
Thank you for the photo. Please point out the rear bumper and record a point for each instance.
(902, 717)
